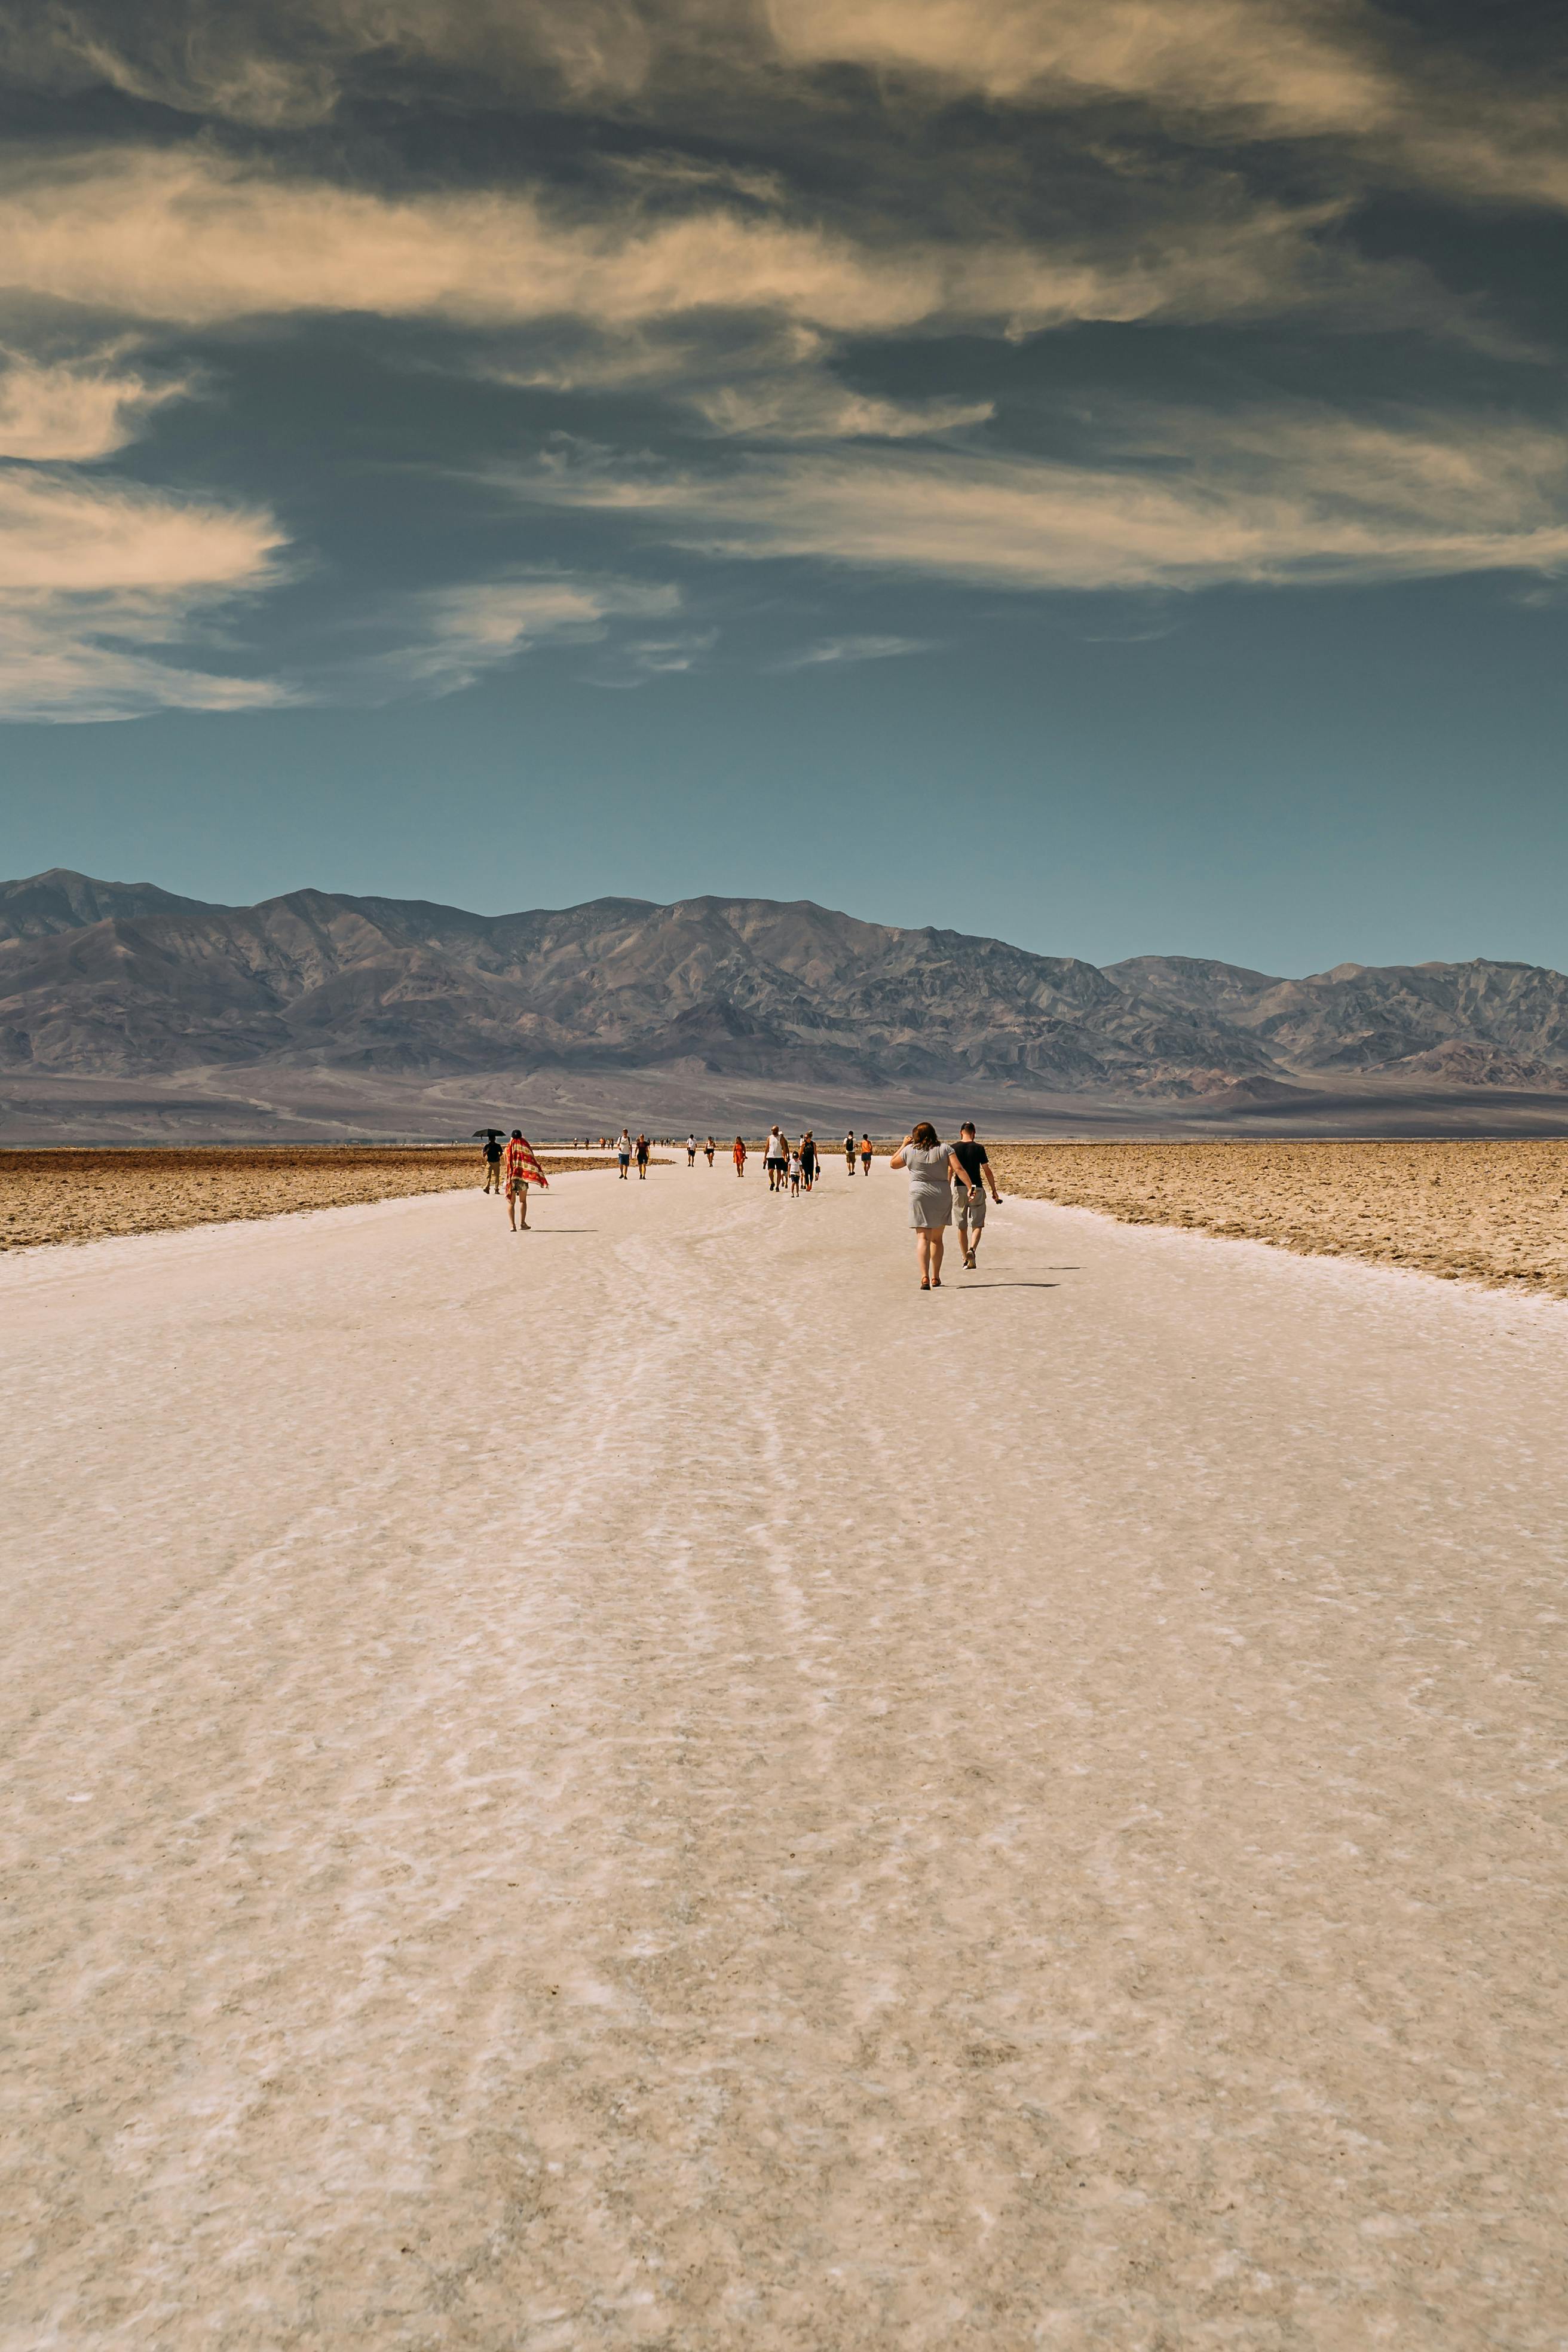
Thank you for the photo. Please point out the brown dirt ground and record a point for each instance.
(1495, 1213)
(85, 1196)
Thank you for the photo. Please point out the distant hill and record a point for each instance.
(124, 981)
(1480, 1023)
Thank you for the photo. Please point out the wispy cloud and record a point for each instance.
(1411, 102)
(1289, 60)
(633, 661)
(187, 237)
(1282, 496)
(106, 592)
(810, 407)
(828, 650)
(1409, 110)
(74, 411)
(443, 639)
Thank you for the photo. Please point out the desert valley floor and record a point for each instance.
(647, 1785)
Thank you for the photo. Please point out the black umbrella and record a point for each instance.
(492, 1134)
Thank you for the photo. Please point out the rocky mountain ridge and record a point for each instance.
(102, 978)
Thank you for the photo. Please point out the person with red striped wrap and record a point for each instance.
(521, 1171)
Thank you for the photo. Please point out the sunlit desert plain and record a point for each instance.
(1492, 1212)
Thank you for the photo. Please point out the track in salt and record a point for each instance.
(650, 1785)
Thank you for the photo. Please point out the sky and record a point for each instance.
(1093, 472)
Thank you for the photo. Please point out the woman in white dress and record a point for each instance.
(933, 1168)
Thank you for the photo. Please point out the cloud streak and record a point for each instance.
(1413, 107)
(106, 591)
(448, 637)
(185, 238)
(1279, 497)
(73, 411)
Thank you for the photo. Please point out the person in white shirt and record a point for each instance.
(793, 1166)
(691, 1151)
(623, 1152)
(775, 1155)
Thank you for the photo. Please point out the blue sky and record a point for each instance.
(1095, 474)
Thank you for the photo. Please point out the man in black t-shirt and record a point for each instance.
(969, 1199)
(492, 1136)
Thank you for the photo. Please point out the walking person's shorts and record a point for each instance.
(965, 1208)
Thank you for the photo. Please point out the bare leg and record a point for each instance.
(922, 1251)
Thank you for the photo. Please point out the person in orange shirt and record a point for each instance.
(740, 1156)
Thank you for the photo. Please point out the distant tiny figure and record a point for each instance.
(492, 1136)
(808, 1159)
(740, 1156)
(521, 1171)
(640, 1153)
(775, 1158)
(931, 1164)
(623, 1152)
(849, 1153)
(969, 1199)
(691, 1151)
(865, 1155)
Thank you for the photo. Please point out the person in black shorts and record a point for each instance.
(969, 1199)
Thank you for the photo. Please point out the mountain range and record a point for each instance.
(126, 982)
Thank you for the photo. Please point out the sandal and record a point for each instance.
(924, 1284)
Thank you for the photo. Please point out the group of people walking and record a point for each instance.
(626, 1151)
(948, 1182)
(790, 1167)
(795, 1167)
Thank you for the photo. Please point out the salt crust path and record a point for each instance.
(647, 1785)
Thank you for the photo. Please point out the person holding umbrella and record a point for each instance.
(492, 1136)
